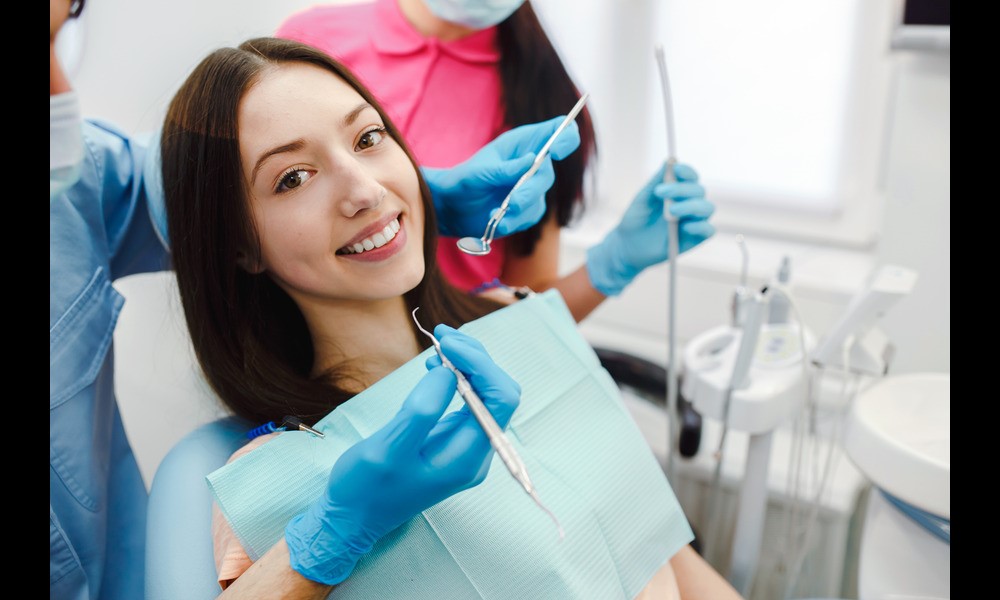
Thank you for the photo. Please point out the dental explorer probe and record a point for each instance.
(673, 250)
(505, 450)
(481, 246)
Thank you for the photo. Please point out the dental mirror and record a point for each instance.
(473, 245)
(481, 246)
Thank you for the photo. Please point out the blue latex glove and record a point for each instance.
(467, 195)
(640, 239)
(417, 460)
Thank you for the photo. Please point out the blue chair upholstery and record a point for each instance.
(179, 560)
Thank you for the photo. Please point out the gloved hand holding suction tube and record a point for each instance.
(640, 238)
(415, 461)
(467, 195)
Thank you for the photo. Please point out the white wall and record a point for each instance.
(917, 225)
(137, 52)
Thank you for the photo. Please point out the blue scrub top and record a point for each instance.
(99, 230)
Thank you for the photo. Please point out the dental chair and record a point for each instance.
(179, 559)
(648, 381)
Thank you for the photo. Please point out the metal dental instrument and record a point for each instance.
(673, 250)
(292, 423)
(481, 246)
(668, 111)
(505, 450)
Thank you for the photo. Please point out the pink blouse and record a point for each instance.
(445, 97)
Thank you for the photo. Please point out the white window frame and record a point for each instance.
(857, 221)
(623, 31)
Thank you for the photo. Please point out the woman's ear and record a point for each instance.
(249, 264)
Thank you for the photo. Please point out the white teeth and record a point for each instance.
(376, 241)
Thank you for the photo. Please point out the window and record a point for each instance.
(779, 104)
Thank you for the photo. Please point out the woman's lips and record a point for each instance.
(369, 249)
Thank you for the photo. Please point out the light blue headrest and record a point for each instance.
(179, 558)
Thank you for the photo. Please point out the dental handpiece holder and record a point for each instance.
(749, 376)
(771, 387)
(856, 337)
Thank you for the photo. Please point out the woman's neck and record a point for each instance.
(364, 340)
(428, 24)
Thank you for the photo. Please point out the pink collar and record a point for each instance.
(395, 35)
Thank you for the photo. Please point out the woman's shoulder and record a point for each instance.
(253, 444)
(333, 28)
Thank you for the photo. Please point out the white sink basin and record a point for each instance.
(899, 435)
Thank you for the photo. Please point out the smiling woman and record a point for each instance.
(277, 166)
(283, 282)
(343, 182)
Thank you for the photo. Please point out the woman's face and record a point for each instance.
(335, 199)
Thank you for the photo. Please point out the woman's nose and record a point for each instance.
(363, 192)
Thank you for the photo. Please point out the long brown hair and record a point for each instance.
(249, 336)
(529, 63)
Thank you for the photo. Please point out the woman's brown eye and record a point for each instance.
(292, 180)
(370, 139)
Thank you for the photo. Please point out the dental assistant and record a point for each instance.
(455, 73)
(103, 194)
(451, 87)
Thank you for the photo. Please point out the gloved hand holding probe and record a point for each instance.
(417, 460)
(467, 195)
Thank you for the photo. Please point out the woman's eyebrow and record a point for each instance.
(352, 116)
(348, 119)
(289, 147)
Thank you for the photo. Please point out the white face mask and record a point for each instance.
(65, 143)
(478, 14)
